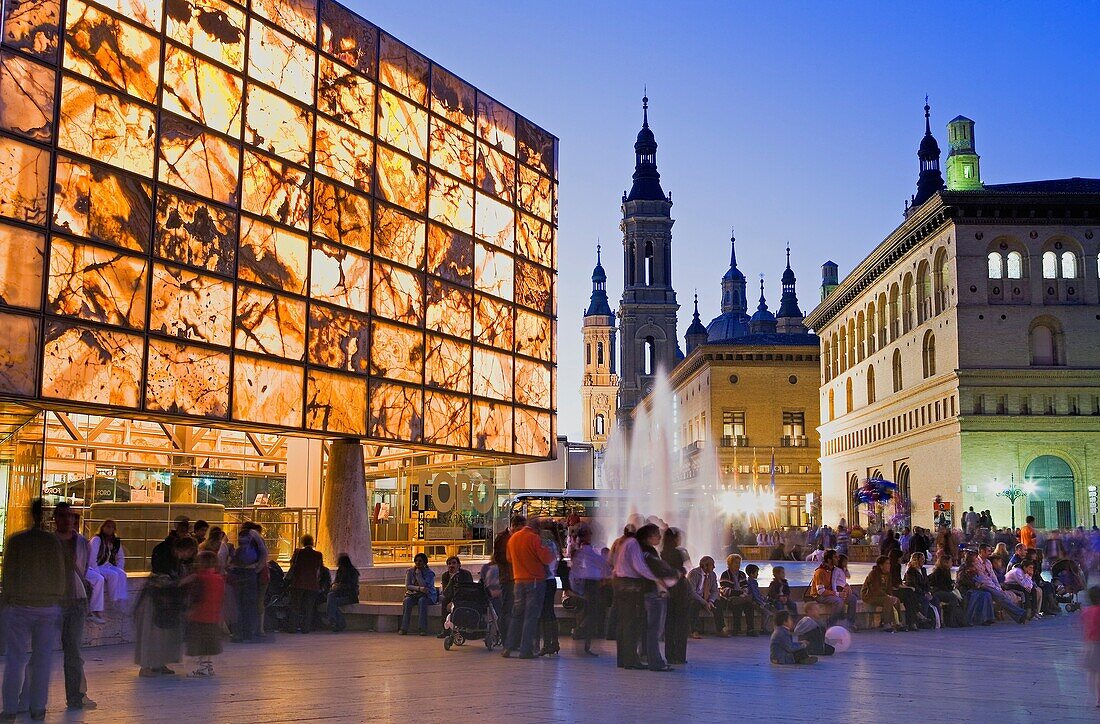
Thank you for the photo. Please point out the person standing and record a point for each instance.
(74, 608)
(587, 575)
(157, 617)
(1028, 536)
(32, 587)
(304, 581)
(504, 575)
(678, 619)
(204, 616)
(529, 559)
(548, 619)
(244, 568)
(655, 595)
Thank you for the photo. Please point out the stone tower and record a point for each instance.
(600, 388)
(963, 171)
(789, 318)
(647, 313)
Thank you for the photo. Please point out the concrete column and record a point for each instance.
(344, 525)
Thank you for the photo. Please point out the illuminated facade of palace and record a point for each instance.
(265, 224)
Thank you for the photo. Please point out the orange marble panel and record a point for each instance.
(536, 147)
(105, 126)
(336, 403)
(403, 69)
(107, 50)
(267, 391)
(276, 190)
(496, 173)
(533, 335)
(396, 353)
(496, 124)
(344, 155)
(453, 98)
(295, 16)
(341, 215)
(340, 276)
(399, 237)
(493, 322)
(533, 433)
(448, 364)
(195, 232)
(189, 305)
(270, 324)
(532, 383)
(452, 150)
(348, 38)
(449, 310)
(273, 257)
(144, 12)
(279, 61)
(187, 380)
(535, 194)
(101, 204)
(496, 222)
(32, 26)
(210, 27)
(96, 366)
(345, 95)
(492, 374)
(397, 294)
(403, 125)
(24, 180)
(201, 91)
(28, 92)
(339, 339)
(493, 271)
(198, 161)
(278, 126)
(450, 255)
(395, 412)
(402, 180)
(534, 287)
(446, 419)
(492, 426)
(535, 240)
(18, 354)
(451, 202)
(96, 284)
(22, 263)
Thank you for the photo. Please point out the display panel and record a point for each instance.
(272, 214)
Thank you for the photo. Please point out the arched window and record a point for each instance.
(871, 321)
(647, 269)
(836, 356)
(1015, 265)
(1050, 265)
(588, 354)
(1069, 265)
(907, 303)
(928, 354)
(849, 402)
(631, 264)
(861, 336)
(897, 370)
(1047, 343)
(924, 293)
(941, 278)
(895, 313)
(599, 353)
(996, 265)
(843, 348)
(851, 343)
(882, 320)
(649, 356)
(598, 424)
(870, 384)
(832, 408)
(827, 360)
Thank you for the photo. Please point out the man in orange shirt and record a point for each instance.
(529, 559)
(1027, 533)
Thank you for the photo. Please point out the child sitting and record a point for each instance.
(204, 616)
(759, 603)
(784, 648)
(779, 592)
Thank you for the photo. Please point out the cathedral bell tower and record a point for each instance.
(600, 385)
(647, 313)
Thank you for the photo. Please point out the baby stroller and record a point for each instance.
(1068, 579)
(472, 617)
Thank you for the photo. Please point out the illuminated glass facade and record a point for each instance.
(273, 216)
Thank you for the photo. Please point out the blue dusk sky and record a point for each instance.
(791, 122)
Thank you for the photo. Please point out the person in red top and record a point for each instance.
(529, 559)
(1027, 533)
(204, 616)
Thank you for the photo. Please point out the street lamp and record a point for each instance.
(1013, 493)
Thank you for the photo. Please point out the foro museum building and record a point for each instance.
(265, 260)
(961, 357)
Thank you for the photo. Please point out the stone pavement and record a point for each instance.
(1002, 673)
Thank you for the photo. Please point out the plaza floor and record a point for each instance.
(1003, 673)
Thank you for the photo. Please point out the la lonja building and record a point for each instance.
(961, 356)
(266, 261)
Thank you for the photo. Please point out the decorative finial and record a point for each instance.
(645, 108)
(927, 122)
(597, 251)
(733, 249)
(788, 255)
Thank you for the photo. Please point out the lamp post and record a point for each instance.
(1013, 493)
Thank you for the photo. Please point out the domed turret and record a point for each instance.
(930, 180)
(647, 181)
(696, 333)
(734, 319)
(763, 321)
(598, 304)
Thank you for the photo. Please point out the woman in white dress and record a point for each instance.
(108, 559)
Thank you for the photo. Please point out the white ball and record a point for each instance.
(839, 638)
